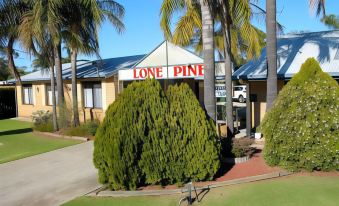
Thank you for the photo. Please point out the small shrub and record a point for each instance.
(242, 147)
(302, 129)
(87, 129)
(42, 121)
(92, 127)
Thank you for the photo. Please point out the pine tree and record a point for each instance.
(302, 129)
(194, 147)
(136, 117)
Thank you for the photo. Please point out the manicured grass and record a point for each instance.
(294, 190)
(17, 141)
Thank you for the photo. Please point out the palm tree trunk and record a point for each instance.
(271, 53)
(58, 65)
(55, 119)
(228, 80)
(228, 67)
(76, 121)
(11, 65)
(208, 50)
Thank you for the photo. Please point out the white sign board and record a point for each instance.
(172, 72)
(220, 90)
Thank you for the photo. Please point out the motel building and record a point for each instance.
(100, 82)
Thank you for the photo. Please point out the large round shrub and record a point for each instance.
(302, 129)
(149, 138)
(135, 117)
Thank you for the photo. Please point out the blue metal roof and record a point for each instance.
(293, 50)
(88, 69)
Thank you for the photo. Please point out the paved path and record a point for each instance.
(48, 179)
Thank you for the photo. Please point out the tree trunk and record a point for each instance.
(11, 65)
(58, 67)
(228, 67)
(271, 53)
(208, 50)
(76, 121)
(55, 119)
(228, 80)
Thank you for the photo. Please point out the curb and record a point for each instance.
(84, 139)
(107, 193)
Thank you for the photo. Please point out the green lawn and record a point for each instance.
(17, 141)
(293, 190)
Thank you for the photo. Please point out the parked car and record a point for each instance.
(239, 93)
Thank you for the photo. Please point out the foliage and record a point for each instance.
(247, 40)
(65, 119)
(136, 116)
(87, 129)
(149, 138)
(193, 142)
(42, 121)
(302, 129)
(242, 147)
(332, 21)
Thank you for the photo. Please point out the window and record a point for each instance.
(27, 94)
(49, 95)
(237, 88)
(92, 95)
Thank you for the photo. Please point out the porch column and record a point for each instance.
(248, 111)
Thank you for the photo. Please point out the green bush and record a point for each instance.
(42, 121)
(145, 138)
(193, 142)
(302, 129)
(136, 116)
(242, 147)
(84, 130)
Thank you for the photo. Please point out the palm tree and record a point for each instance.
(11, 12)
(47, 21)
(236, 32)
(37, 41)
(195, 19)
(80, 25)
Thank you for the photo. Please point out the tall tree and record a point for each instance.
(189, 29)
(47, 19)
(271, 53)
(80, 24)
(11, 12)
(36, 39)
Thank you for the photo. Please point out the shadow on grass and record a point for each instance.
(16, 131)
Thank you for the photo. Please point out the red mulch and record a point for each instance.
(255, 166)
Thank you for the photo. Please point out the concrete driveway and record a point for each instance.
(47, 179)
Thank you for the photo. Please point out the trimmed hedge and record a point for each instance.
(302, 129)
(146, 139)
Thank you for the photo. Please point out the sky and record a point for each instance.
(143, 33)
